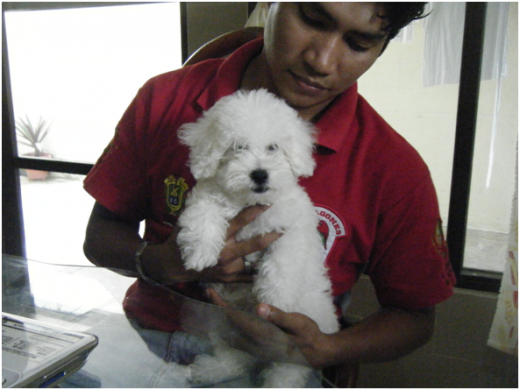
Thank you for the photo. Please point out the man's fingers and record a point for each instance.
(230, 266)
(245, 217)
(240, 249)
(232, 272)
(294, 324)
(281, 319)
(257, 243)
(215, 298)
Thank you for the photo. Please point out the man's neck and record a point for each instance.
(255, 75)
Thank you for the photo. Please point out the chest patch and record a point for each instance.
(331, 226)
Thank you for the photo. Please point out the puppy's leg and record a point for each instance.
(293, 278)
(282, 273)
(285, 375)
(226, 363)
(203, 231)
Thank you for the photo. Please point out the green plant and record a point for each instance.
(31, 135)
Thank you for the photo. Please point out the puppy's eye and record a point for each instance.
(272, 148)
(240, 147)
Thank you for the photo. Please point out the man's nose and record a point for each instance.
(324, 53)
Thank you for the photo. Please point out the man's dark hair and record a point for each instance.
(400, 14)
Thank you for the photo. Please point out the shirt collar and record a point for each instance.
(334, 124)
(229, 74)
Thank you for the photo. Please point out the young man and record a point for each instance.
(373, 193)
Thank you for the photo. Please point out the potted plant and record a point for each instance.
(32, 136)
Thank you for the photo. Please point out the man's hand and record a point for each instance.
(302, 330)
(388, 334)
(230, 267)
(163, 262)
(258, 337)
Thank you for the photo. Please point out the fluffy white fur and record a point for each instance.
(249, 149)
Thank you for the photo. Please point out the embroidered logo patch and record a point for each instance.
(175, 194)
(438, 240)
(331, 226)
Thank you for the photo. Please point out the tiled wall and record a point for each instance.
(457, 355)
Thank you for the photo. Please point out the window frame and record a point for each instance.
(466, 124)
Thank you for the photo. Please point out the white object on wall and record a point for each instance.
(444, 29)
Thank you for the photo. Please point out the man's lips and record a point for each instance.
(308, 83)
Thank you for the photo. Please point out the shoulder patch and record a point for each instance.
(175, 195)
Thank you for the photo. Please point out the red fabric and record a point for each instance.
(156, 307)
(374, 193)
(378, 188)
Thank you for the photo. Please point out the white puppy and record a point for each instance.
(250, 149)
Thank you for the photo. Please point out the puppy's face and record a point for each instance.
(257, 170)
(252, 144)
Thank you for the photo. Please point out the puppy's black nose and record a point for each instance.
(259, 176)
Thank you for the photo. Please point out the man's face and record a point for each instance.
(315, 51)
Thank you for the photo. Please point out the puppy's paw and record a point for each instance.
(285, 375)
(198, 263)
(208, 370)
(197, 255)
(205, 370)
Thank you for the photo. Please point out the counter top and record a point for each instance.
(89, 299)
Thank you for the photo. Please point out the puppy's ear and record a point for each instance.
(299, 152)
(205, 150)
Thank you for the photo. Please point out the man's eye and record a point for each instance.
(354, 45)
(311, 17)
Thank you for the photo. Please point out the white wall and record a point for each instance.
(426, 117)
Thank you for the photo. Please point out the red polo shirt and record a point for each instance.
(374, 194)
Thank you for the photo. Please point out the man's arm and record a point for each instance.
(388, 334)
(112, 242)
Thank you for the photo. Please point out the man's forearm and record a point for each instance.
(388, 334)
(111, 243)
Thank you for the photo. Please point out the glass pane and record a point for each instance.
(494, 164)
(76, 70)
(425, 115)
(56, 212)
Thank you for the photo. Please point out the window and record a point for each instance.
(77, 69)
(74, 71)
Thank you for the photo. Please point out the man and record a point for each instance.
(373, 192)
